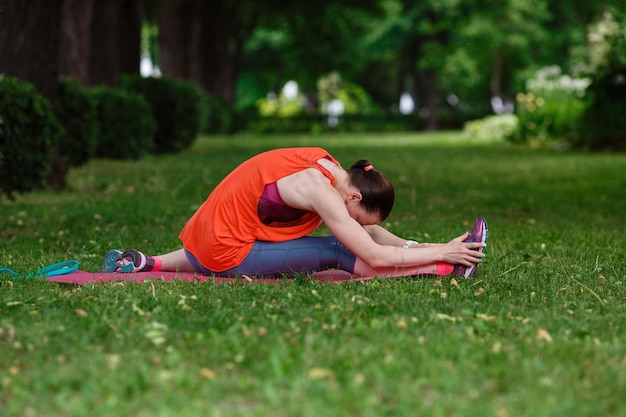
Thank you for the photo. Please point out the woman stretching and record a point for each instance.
(256, 222)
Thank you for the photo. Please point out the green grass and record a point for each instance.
(540, 331)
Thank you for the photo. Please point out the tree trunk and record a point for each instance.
(432, 99)
(115, 40)
(29, 43)
(221, 53)
(202, 42)
(75, 39)
(495, 83)
(180, 30)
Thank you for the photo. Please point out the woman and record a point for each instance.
(256, 222)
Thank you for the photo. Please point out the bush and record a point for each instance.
(604, 123)
(177, 106)
(28, 134)
(551, 107)
(76, 110)
(125, 121)
(500, 126)
(218, 118)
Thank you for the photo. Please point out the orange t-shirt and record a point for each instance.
(223, 230)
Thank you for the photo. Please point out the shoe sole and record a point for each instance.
(109, 262)
(479, 233)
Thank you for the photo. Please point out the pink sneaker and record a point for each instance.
(479, 233)
(128, 261)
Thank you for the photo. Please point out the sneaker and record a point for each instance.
(128, 261)
(479, 233)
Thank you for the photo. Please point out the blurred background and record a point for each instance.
(533, 71)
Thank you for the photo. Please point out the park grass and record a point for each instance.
(540, 330)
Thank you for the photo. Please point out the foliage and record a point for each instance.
(126, 124)
(76, 110)
(280, 105)
(28, 134)
(607, 42)
(500, 127)
(551, 106)
(177, 106)
(218, 117)
(303, 40)
(354, 98)
(604, 124)
(546, 306)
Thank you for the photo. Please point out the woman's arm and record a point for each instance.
(310, 190)
(383, 236)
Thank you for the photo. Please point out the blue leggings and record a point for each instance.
(306, 254)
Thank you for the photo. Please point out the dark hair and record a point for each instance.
(376, 190)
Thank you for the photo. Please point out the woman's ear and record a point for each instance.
(355, 196)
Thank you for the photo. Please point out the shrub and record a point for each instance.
(551, 107)
(28, 133)
(177, 106)
(500, 126)
(218, 117)
(125, 121)
(604, 123)
(75, 109)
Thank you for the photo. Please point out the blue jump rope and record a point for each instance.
(61, 268)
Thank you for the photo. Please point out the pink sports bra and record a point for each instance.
(271, 207)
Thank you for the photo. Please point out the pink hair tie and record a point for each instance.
(368, 167)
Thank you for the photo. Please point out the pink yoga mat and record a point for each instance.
(83, 277)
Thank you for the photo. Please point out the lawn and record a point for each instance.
(539, 331)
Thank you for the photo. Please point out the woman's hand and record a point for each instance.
(460, 252)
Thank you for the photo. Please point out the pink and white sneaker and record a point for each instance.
(130, 260)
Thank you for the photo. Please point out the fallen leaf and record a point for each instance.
(442, 316)
(13, 303)
(207, 373)
(485, 317)
(543, 334)
(320, 373)
(402, 324)
(80, 312)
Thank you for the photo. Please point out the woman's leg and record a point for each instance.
(312, 254)
(306, 254)
(363, 269)
(176, 261)
(133, 260)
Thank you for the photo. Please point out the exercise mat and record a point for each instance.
(80, 277)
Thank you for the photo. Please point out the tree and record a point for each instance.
(115, 40)
(304, 41)
(29, 42)
(603, 122)
(75, 39)
(212, 44)
(408, 51)
(202, 41)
